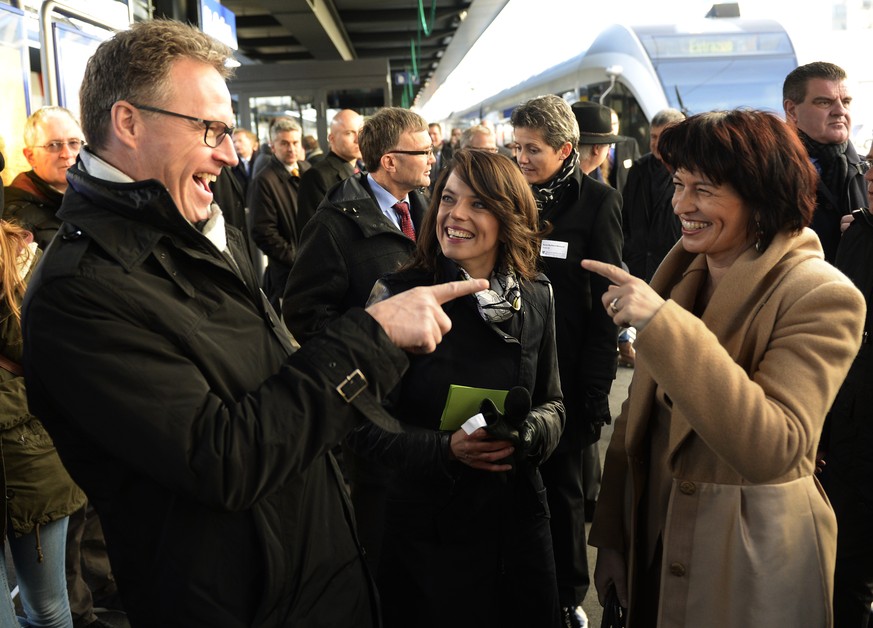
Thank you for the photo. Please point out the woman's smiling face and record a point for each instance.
(715, 219)
(467, 231)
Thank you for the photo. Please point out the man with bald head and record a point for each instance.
(338, 165)
(817, 102)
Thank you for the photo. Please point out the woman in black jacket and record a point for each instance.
(467, 539)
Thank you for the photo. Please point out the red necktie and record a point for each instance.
(402, 208)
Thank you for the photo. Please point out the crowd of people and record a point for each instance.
(395, 419)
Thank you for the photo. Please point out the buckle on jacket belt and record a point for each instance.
(353, 385)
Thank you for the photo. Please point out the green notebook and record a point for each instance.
(463, 402)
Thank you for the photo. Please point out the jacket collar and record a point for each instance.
(355, 200)
(746, 286)
(29, 186)
(104, 210)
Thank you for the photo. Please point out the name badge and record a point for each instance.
(554, 248)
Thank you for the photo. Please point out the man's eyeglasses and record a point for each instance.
(216, 130)
(428, 152)
(58, 145)
(865, 165)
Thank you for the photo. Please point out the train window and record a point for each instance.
(706, 84)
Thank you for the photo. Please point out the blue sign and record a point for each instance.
(219, 22)
(405, 78)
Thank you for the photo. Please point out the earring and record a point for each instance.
(759, 237)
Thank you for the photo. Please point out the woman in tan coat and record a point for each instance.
(710, 514)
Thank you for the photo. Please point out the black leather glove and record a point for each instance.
(497, 425)
(515, 425)
(597, 407)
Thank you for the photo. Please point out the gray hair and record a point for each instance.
(38, 117)
(550, 115)
(468, 134)
(284, 125)
(666, 117)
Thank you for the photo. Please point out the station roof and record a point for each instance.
(281, 31)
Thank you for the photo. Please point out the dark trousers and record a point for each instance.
(853, 576)
(87, 565)
(562, 476)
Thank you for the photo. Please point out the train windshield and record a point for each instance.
(702, 84)
(703, 71)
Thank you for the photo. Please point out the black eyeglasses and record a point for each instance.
(216, 130)
(58, 145)
(865, 165)
(428, 152)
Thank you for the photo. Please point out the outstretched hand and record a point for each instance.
(414, 319)
(630, 301)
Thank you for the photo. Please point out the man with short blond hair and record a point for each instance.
(174, 395)
(365, 227)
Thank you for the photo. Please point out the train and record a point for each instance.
(694, 65)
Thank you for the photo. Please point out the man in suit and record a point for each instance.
(338, 165)
(273, 206)
(622, 155)
(442, 151)
(246, 145)
(365, 227)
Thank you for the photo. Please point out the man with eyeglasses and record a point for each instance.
(273, 206)
(171, 389)
(52, 139)
(817, 102)
(365, 227)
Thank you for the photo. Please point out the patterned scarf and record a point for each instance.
(830, 161)
(502, 299)
(550, 192)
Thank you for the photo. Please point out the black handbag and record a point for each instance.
(613, 613)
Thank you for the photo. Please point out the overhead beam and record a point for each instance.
(316, 25)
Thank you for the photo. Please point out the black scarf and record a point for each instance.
(549, 193)
(830, 161)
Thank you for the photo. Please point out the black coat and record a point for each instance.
(587, 217)
(315, 183)
(345, 248)
(169, 388)
(627, 151)
(275, 230)
(848, 434)
(463, 547)
(649, 224)
(33, 203)
(830, 210)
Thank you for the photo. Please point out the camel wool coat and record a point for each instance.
(749, 537)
